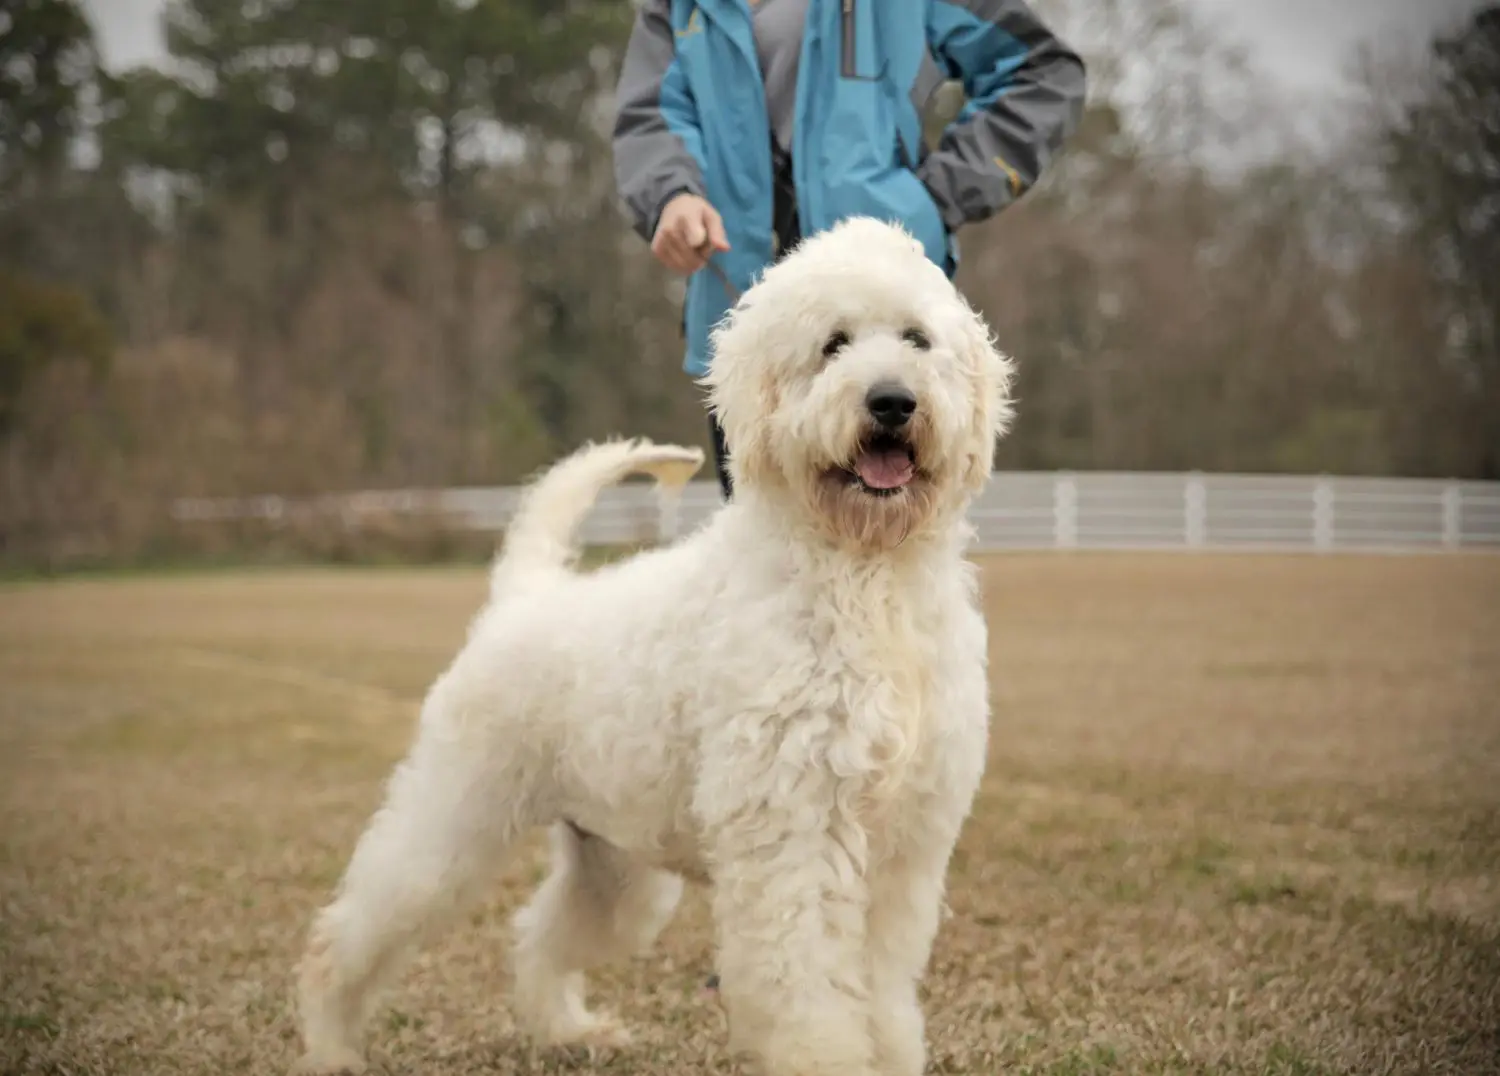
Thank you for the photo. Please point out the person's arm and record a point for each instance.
(1025, 91)
(657, 144)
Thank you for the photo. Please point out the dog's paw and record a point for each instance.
(330, 1063)
(600, 1031)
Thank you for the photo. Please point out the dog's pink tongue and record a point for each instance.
(884, 468)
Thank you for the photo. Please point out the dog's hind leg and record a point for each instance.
(597, 906)
(438, 835)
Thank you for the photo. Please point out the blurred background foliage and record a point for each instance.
(328, 246)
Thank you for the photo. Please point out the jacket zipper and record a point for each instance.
(846, 27)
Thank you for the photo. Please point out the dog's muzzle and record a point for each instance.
(885, 461)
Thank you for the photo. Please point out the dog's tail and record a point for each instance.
(542, 536)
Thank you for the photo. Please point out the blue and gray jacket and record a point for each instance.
(692, 117)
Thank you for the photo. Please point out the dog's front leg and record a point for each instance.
(790, 912)
(906, 903)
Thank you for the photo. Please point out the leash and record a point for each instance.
(718, 271)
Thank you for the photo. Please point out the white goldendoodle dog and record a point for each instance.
(789, 705)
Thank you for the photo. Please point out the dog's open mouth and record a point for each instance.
(884, 465)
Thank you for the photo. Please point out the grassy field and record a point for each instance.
(1242, 816)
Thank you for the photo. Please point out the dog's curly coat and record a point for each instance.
(790, 704)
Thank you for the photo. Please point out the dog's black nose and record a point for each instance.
(891, 404)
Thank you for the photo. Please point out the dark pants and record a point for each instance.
(788, 231)
(721, 455)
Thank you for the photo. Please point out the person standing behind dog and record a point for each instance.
(745, 124)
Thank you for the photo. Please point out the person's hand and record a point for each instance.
(689, 232)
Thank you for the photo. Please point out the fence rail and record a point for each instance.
(1023, 511)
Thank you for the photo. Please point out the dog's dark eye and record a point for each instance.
(835, 343)
(917, 339)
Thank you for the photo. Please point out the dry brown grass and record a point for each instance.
(1243, 816)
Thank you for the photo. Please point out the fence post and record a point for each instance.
(1323, 515)
(1064, 511)
(1453, 515)
(1195, 511)
(668, 507)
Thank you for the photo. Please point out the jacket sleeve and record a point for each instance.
(1025, 91)
(657, 142)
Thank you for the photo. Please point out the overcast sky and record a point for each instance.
(1306, 44)
(1301, 44)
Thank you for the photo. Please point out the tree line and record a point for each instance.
(327, 246)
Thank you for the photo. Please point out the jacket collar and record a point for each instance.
(732, 17)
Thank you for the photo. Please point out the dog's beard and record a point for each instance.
(869, 522)
(882, 495)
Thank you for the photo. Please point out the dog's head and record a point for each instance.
(856, 385)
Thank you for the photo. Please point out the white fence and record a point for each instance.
(1018, 511)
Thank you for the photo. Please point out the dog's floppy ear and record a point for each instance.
(742, 394)
(990, 376)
